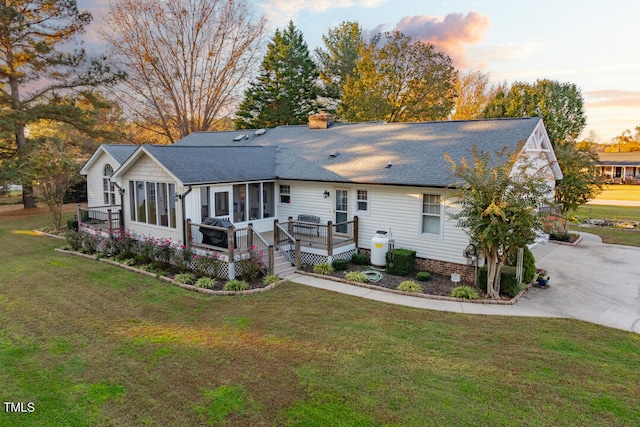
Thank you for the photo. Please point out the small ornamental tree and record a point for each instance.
(580, 181)
(53, 168)
(498, 197)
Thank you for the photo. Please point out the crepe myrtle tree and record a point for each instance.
(498, 196)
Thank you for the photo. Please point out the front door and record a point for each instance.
(342, 209)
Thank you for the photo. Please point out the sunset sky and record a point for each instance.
(594, 44)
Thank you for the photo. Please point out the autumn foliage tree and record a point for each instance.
(187, 61)
(560, 105)
(399, 80)
(498, 196)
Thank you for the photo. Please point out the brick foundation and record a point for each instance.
(467, 272)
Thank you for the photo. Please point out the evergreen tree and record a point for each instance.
(286, 89)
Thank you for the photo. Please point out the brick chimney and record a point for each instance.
(321, 120)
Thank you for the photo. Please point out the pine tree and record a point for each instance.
(286, 89)
(35, 74)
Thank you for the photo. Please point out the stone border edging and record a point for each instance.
(512, 301)
(55, 236)
(574, 243)
(171, 281)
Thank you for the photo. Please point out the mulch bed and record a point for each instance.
(438, 284)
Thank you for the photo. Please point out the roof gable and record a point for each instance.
(118, 153)
(208, 165)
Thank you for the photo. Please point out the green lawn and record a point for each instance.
(620, 192)
(617, 213)
(91, 344)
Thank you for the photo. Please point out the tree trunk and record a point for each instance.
(28, 200)
(493, 274)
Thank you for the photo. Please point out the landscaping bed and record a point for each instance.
(438, 284)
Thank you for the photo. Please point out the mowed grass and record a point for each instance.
(616, 236)
(620, 192)
(91, 344)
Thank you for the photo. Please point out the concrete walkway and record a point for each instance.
(594, 282)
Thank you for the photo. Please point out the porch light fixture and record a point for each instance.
(326, 194)
(177, 196)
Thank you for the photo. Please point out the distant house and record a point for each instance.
(619, 167)
(312, 193)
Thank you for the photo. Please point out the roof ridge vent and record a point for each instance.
(260, 132)
(241, 137)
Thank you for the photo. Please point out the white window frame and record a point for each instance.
(439, 215)
(366, 200)
(108, 187)
(169, 191)
(286, 193)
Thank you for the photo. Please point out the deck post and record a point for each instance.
(330, 239)
(271, 259)
(297, 254)
(250, 235)
(231, 242)
(79, 218)
(109, 222)
(188, 233)
(275, 231)
(290, 226)
(355, 230)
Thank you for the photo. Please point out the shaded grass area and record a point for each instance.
(91, 344)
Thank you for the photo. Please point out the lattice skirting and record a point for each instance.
(307, 258)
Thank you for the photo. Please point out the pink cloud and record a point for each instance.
(449, 34)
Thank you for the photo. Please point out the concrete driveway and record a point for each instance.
(593, 281)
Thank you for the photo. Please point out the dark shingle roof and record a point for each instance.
(415, 150)
(208, 165)
(120, 152)
(619, 159)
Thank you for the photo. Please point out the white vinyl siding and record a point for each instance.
(97, 191)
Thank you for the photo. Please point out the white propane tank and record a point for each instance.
(379, 248)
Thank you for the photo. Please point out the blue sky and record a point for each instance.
(594, 44)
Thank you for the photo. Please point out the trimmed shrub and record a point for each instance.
(72, 224)
(423, 276)
(270, 279)
(528, 264)
(509, 285)
(401, 262)
(185, 278)
(235, 285)
(360, 259)
(323, 268)
(410, 286)
(206, 283)
(356, 276)
(465, 292)
(340, 264)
